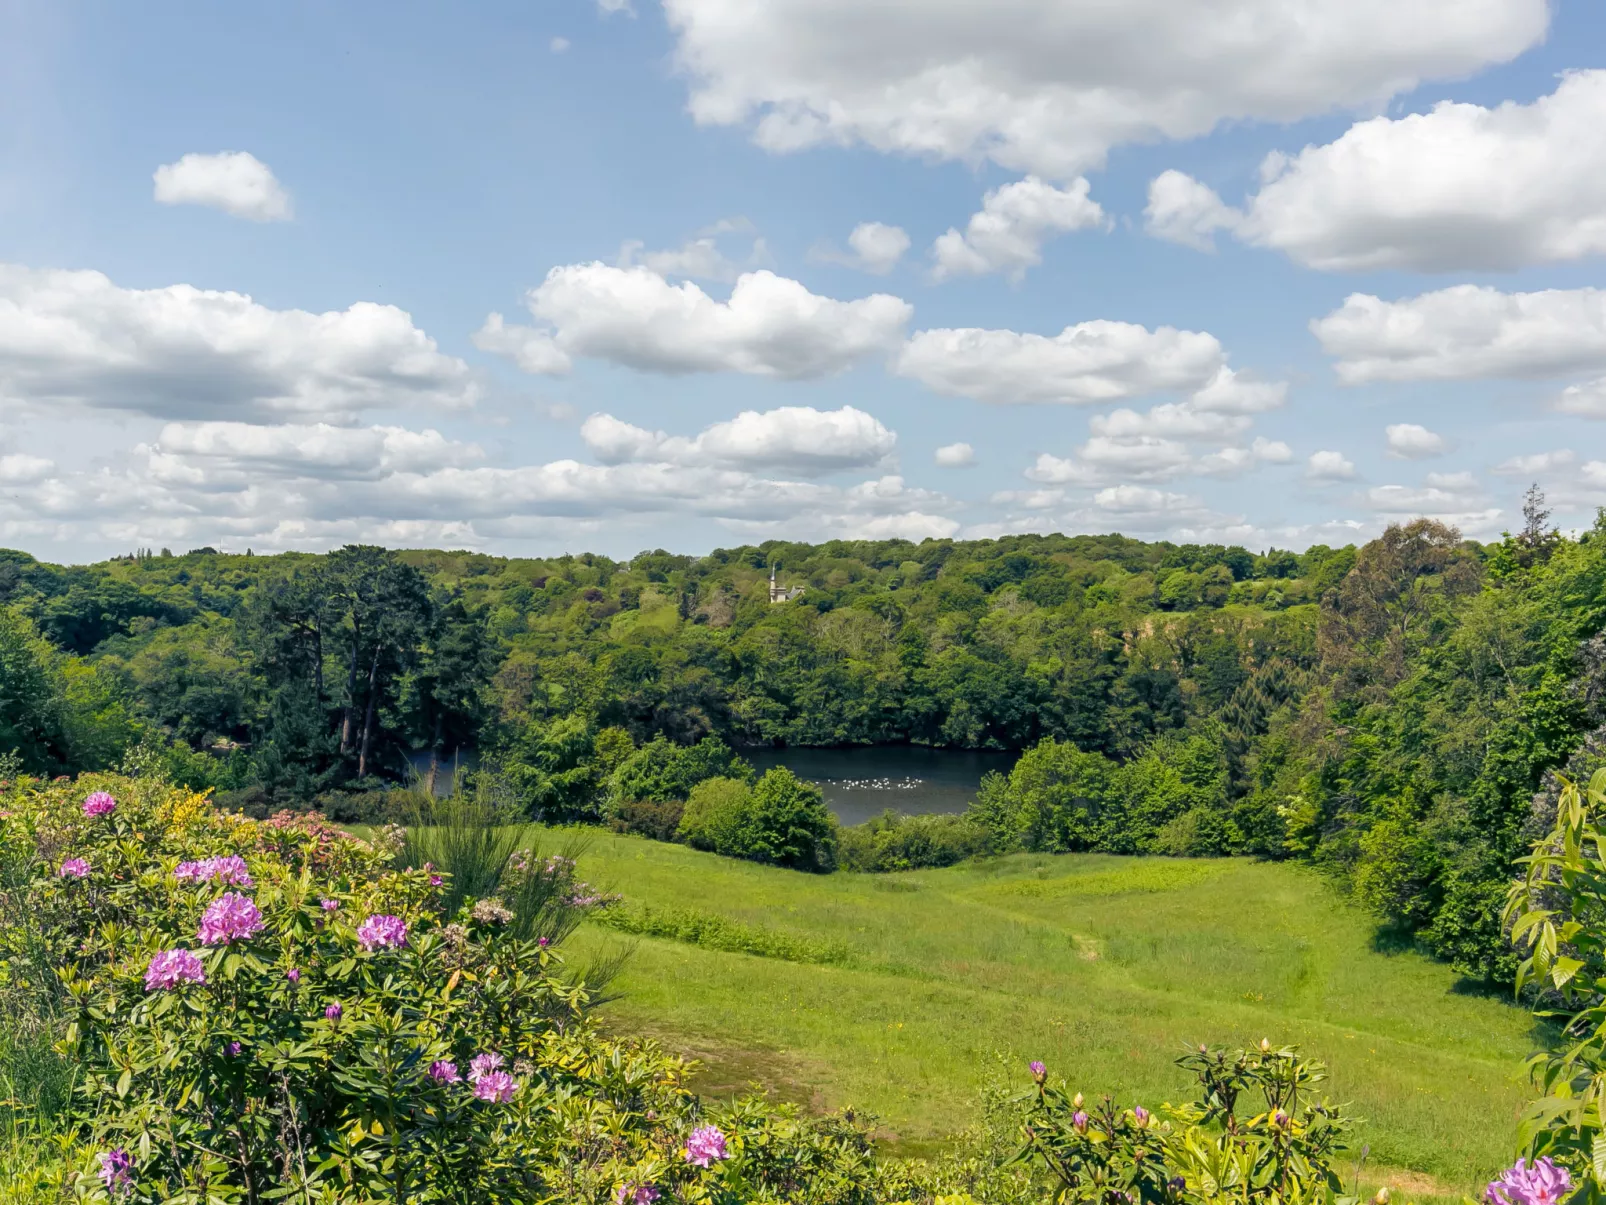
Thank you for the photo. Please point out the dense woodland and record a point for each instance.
(1387, 712)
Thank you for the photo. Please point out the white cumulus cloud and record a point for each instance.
(1412, 441)
(798, 439)
(236, 182)
(1049, 87)
(1008, 234)
(1461, 187)
(1466, 332)
(955, 456)
(1095, 361)
(771, 326)
(184, 353)
(1329, 466)
(1182, 210)
(879, 247)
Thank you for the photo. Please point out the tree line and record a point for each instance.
(1387, 712)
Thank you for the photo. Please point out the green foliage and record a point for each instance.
(252, 1085)
(893, 841)
(714, 813)
(1557, 914)
(662, 770)
(1170, 799)
(1255, 1133)
(781, 820)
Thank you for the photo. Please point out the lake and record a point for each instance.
(863, 781)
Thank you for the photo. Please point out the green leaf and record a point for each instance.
(1564, 968)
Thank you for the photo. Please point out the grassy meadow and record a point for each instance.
(898, 993)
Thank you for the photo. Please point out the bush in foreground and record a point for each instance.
(273, 1011)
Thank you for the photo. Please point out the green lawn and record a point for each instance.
(1101, 966)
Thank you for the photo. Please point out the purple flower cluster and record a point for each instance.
(230, 869)
(116, 1171)
(382, 932)
(74, 868)
(444, 1071)
(635, 1194)
(230, 917)
(490, 1082)
(293, 974)
(1542, 1184)
(171, 968)
(1039, 1072)
(99, 803)
(706, 1144)
(329, 905)
(333, 1012)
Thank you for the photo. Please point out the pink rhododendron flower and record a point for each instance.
(640, 1194)
(99, 804)
(230, 917)
(1037, 1069)
(293, 975)
(74, 868)
(230, 869)
(482, 1065)
(382, 932)
(497, 1086)
(706, 1144)
(444, 1071)
(329, 905)
(332, 1012)
(116, 1171)
(171, 968)
(1542, 1184)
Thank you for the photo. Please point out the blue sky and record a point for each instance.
(303, 216)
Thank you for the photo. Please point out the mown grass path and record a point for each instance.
(1103, 967)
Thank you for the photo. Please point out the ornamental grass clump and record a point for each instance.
(286, 1020)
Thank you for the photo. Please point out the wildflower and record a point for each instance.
(1039, 1072)
(435, 880)
(641, 1194)
(544, 942)
(382, 932)
(171, 968)
(705, 1145)
(293, 975)
(99, 804)
(234, 1049)
(491, 912)
(230, 869)
(443, 1071)
(1541, 1184)
(329, 905)
(498, 1086)
(73, 868)
(482, 1065)
(116, 1171)
(1079, 1120)
(1140, 1115)
(332, 1012)
(230, 917)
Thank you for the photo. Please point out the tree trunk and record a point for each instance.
(434, 757)
(317, 660)
(351, 693)
(368, 718)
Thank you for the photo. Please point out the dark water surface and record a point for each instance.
(864, 781)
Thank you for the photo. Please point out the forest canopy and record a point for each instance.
(1386, 711)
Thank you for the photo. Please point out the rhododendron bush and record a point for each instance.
(273, 1011)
